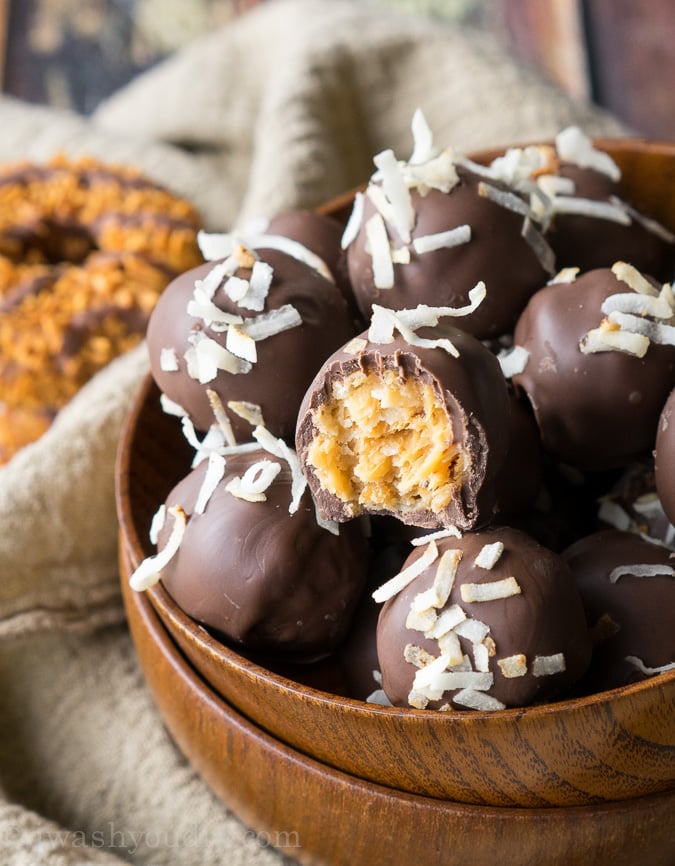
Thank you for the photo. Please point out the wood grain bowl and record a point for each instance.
(579, 756)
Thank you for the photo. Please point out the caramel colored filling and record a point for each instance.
(383, 442)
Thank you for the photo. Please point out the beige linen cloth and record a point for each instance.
(285, 107)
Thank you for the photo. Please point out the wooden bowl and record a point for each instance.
(614, 746)
(324, 817)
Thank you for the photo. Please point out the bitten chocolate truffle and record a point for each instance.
(265, 579)
(456, 238)
(600, 365)
(664, 457)
(627, 585)
(407, 431)
(253, 328)
(485, 621)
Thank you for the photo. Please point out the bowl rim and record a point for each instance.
(165, 606)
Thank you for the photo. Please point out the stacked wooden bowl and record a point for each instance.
(332, 780)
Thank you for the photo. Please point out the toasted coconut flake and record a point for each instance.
(573, 145)
(239, 343)
(212, 441)
(423, 139)
(504, 198)
(355, 346)
(607, 339)
(438, 173)
(397, 192)
(168, 360)
(401, 256)
(254, 483)
(546, 666)
(611, 512)
(220, 415)
(657, 332)
(513, 666)
(474, 630)
(380, 251)
(278, 448)
(439, 592)
(150, 570)
(504, 588)
(450, 648)
(399, 581)
(446, 621)
(214, 245)
(206, 357)
(236, 288)
(513, 361)
(556, 185)
(564, 204)
(638, 305)
(450, 532)
(632, 277)
(489, 555)
(294, 249)
(258, 287)
(423, 315)
(417, 656)
(243, 253)
(378, 697)
(381, 203)
(474, 700)
(170, 407)
(418, 700)
(200, 306)
(250, 412)
(539, 245)
(646, 569)
(649, 671)
(519, 164)
(354, 222)
(212, 478)
(272, 323)
(439, 682)
(481, 657)
(442, 240)
(565, 275)
(421, 620)
(158, 521)
(646, 222)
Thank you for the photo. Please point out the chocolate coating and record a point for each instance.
(322, 234)
(589, 242)
(286, 362)
(664, 456)
(263, 578)
(497, 254)
(473, 392)
(598, 410)
(545, 619)
(632, 616)
(519, 480)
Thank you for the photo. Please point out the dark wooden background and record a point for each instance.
(73, 53)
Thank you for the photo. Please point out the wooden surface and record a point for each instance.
(323, 817)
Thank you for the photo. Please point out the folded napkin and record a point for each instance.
(283, 108)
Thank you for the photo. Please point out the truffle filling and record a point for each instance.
(382, 441)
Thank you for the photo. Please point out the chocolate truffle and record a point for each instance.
(664, 456)
(589, 241)
(596, 381)
(407, 431)
(189, 334)
(491, 620)
(627, 585)
(487, 245)
(519, 481)
(265, 579)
